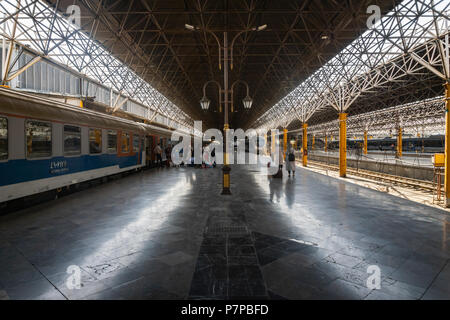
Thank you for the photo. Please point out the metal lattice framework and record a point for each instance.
(149, 36)
(423, 117)
(409, 42)
(34, 24)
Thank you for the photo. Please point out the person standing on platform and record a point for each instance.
(290, 161)
(158, 152)
(169, 156)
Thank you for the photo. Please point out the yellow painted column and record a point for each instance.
(326, 144)
(225, 154)
(365, 142)
(285, 141)
(447, 146)
(342, 145)
(305, 144)
(399, 143)
(313, 142)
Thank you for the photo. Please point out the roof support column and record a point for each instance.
(342, 145)
(399, 142)
(365, 142)
(305, 144)
(447, 145)
(285, 141)
(325, 147)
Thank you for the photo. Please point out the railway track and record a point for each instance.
(427, 186)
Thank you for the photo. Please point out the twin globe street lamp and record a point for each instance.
(205, 102)
(247, 102)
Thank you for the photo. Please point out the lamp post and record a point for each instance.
(204, 102)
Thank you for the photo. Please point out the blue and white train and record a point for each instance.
(46, 145)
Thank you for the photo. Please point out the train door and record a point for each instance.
(156, 142)
(124, 145)
(152, 150)
(163, 147)
(152, 143)
(148, 150)
(142, 150)
(136, 147)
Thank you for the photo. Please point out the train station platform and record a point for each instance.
(168, 234)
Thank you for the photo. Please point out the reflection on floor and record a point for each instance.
(168, 234)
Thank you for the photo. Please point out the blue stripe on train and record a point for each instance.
(16, 171)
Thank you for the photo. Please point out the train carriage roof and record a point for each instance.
(32, 106)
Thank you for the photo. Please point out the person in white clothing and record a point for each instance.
(158, 152)
(290, 161)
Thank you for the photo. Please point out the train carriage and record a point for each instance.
(46, 145)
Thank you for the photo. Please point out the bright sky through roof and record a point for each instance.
(71, 47)
(410, 24)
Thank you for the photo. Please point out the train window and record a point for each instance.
(136, 142)
(3, 139)
(39, 139)
(112, 141)
(125, 142)
(72, 140)
(95, 141)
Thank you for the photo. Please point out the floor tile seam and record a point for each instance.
(434, 279)
(42, 274)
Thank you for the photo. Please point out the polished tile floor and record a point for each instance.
(168, 234)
